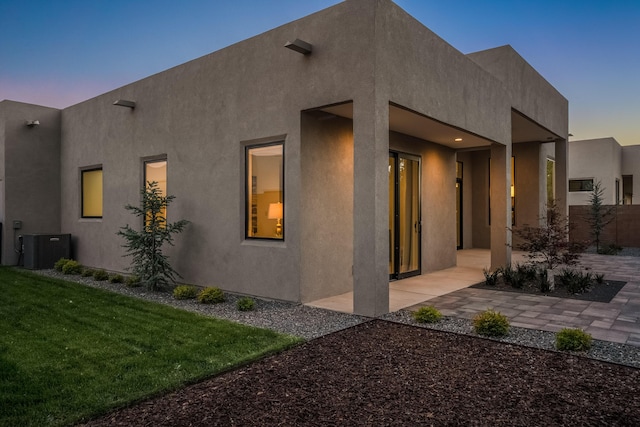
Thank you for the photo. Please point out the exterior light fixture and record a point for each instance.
(32, 123)
(458, 140)
(125, 103)
(299, 46)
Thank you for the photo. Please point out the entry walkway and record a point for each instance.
(448, 290)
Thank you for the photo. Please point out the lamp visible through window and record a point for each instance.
(275, 212)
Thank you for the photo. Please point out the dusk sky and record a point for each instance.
(59, 53)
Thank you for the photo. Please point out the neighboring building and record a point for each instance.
(603, 160)
(373, 157)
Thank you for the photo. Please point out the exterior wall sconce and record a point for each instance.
(32, 123)
(125, 103)
(299, 46)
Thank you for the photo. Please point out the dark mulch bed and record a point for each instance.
(599, 292)
(382, 373)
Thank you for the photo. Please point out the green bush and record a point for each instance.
(60, 264)
(245, 304)
(116, 278)
(88, 272)
(72, 267)
(576, 282)
(491, 323)
(100, 275)
(528, 272)
(573, 340)
(211, 295)
(132, 281)
(491, 278)
(427, 315)
(185, 292)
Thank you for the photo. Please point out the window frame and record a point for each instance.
(83, 171)
(583, 188)
(247, 201)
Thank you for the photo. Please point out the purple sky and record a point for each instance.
(58, 53)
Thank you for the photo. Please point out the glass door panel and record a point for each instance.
(404, 215)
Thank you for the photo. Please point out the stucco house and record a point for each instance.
(603, 160)
(366, 150)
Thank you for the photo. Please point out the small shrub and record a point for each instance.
(60, 264)
(600, 279)
(573, 340)
(427, 315)
(575, 281)
(132, 281)
(185, 292)
(100, 275)
(116, 278)
(88, 272)
(72, 267)
(245, 304)
(611, 249)
(211, 295)
(513, 277)
(528, 272)
(491, 323)
(491, 278)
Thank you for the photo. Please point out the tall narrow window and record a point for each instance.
(513, 190)
(91, 193)
(265, 191)
(156, 171)
(551, 181)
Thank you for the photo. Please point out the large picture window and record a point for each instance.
(156, 171)
(91, 193)
(265, 191)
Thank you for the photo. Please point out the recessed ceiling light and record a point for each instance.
(458, 140)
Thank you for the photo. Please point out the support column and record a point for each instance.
(370, 208)
(500, 205)
(561, 176)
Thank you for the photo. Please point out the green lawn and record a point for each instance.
(68, 352)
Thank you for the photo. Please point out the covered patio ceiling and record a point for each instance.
(408, 122)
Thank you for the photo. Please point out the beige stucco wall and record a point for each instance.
(326, 207)
(29, 173)
(598, 159)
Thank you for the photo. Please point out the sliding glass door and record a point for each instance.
(404, 215)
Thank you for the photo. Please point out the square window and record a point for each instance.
(265, 191)
(91, 193)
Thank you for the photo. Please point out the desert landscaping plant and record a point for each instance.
(72, 267)
(599, 215)
(145, 245)
(549, 243)
(132, 281)
(60, 264)
(185, 292)
(100, 275)
(428, 314)
(491, 277)
(491, 323)
(573, 340)
(116, 278)
(245, 304)
(211, 295)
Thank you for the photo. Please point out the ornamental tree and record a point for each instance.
(149, 263)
